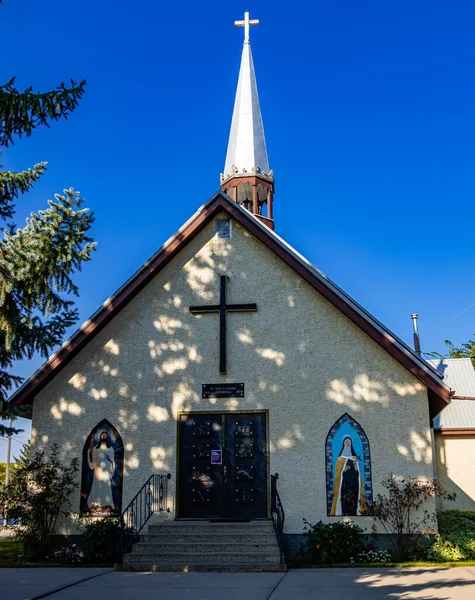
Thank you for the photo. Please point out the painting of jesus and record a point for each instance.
(101, 461)
(101, 487)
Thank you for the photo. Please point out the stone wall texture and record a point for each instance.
(298, 356)
(456, 469)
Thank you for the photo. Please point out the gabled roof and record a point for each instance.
(439, 393)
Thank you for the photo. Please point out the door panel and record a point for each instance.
(234, 489)
(200, 482)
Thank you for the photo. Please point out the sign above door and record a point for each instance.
(223, 390)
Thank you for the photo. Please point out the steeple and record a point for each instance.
(247, 177)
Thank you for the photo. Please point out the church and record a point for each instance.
(226, 359)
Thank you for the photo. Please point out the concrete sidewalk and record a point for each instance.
(370, 584)
(312, 584)
(25, 583)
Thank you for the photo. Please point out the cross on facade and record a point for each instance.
(246, 24)
(222, 308)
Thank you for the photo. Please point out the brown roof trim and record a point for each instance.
(439, 395)
(454, 431)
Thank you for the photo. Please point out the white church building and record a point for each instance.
(225, 359)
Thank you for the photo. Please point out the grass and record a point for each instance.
(397, 565)
(11, 555)
(10, 549)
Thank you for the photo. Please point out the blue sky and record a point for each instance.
(369, 113)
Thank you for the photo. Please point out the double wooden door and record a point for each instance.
(223, 466)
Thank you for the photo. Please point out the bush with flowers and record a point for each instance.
(371, 555)
(69, 554)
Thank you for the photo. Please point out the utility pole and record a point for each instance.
(7, 471)
(9, 451)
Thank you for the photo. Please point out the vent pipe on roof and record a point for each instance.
(417, 339)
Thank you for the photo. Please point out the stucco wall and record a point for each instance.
(298, 356)
(456, 469)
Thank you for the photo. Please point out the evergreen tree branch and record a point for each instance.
(21, 112)
(13, 184)
(36, 268)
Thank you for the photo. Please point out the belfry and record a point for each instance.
(247, 178)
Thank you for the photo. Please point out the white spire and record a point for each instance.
(247, 144)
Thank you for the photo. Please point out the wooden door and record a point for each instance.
(223, 466)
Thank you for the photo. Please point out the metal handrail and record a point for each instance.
(151, 498)
(278, 515)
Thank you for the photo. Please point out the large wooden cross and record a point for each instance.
(246, 24)
(222, 308)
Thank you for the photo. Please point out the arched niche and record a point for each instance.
(102, 472)
(348, 469)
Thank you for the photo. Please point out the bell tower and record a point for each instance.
(247, 178)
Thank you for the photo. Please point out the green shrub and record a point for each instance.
(444, 551)
(101, 540)
(334, 542)
(456, 539)
(36, 497)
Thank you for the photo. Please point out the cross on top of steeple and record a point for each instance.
(246, 24)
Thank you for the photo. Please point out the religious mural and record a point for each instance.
(348, 469)
(102, 468)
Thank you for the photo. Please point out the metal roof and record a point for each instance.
(459, 414)
(458, 374)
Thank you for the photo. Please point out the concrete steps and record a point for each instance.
(186, 546)
(193, 538)
(205, 546)
(205, 568)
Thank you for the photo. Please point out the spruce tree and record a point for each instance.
(23, 459)
(37, 262)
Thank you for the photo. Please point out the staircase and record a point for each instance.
(206, 546)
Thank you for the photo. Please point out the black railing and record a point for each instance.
(278, 515)
(151, 498)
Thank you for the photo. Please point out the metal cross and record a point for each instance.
(246, 24)
(222, 308)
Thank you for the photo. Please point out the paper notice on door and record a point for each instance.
(216, 457)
